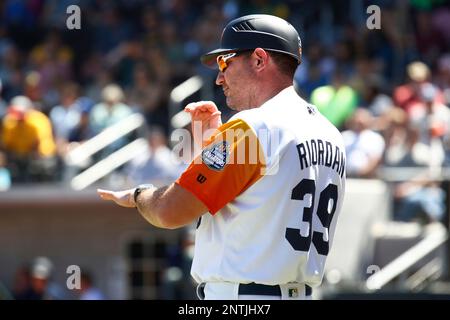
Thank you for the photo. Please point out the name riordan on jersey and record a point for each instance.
(322, 153)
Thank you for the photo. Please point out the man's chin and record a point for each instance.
(230, 104)
(233, 105)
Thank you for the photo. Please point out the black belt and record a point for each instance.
(265, 290)
(254, 289)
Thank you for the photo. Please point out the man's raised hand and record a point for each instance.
(204, 115)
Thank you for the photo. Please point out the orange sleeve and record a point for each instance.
(231, 162)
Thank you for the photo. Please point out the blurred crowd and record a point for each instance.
(387, 89)
(35, 281)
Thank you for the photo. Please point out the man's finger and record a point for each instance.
(192, 106)
(211, 107)
(202, 105)
(106, 194)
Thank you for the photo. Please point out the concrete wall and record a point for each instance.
(366, 203)
(71, 228)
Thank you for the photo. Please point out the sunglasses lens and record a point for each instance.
(221, 63)
(222, 60)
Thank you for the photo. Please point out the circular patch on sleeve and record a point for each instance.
(216, 156)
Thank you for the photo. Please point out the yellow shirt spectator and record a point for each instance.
(18, 136)
(25, 134)
(41, 122)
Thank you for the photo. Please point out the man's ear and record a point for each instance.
(260, 59)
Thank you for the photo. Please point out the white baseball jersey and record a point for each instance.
(273, 179)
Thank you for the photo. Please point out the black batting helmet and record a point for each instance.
(257, 31)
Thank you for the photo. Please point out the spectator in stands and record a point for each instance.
(66, 116)
(52, 61)
(336, 101)
(109, 112)
(421, 200)
(27, 139)
(364, 147)
(19, 140)
(42, 270)
(110, 28)
(401, 140)
(408, 95)
(315, 71)
(432, 120)
(11, 72)
(156, 164)
(82, 131)
(429, 39)
(373, 97)
(21, 288)
(35, 282)
(88, 291)
(125, 57)
(97, 76)
(145, 94)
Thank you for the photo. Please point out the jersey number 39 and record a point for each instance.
(325, 215)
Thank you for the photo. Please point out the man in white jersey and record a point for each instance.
(268, 186)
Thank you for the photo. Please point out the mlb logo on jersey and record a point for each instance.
(216, 156)
(311, 109)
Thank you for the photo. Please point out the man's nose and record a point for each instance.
(219, 78)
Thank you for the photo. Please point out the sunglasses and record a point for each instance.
(222, 60)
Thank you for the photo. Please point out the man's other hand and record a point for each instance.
(123, 198)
